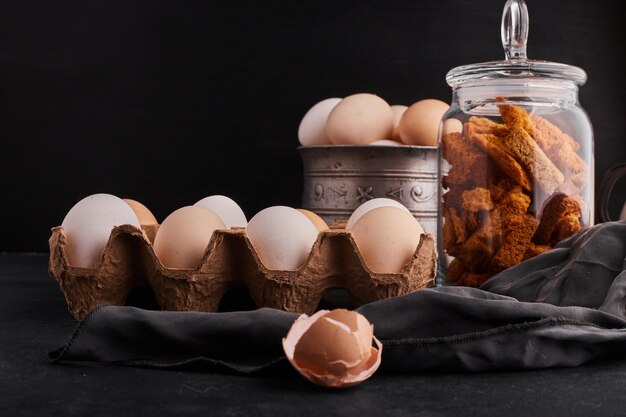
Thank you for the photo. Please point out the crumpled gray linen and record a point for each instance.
(562, 308)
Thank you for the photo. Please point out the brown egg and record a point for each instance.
(419, 124)
(184, 235)
(359, 119)
(333, 348)
(319, 223)
(387, 238)
(144, 215)
(452, 125)
(398, 110)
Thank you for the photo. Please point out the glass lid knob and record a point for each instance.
(514, 30)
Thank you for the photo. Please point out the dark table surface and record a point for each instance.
(34, 320)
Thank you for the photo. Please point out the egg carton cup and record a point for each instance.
(230, 261)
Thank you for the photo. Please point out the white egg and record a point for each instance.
(89, 223)
(312, 129)
(385, 142)
(282, 237)
(226, 208)
(369, 205)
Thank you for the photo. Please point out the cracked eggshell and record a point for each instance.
(333, 348)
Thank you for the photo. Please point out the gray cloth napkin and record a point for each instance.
(562, 308)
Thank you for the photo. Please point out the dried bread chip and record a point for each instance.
(515, 117)
(477, 199)
(484, 125)
(493, 147)
(515, 244)
(560, 218)
(512, 206)
(533, 159)
(562, 149)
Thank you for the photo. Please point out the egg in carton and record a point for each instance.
(129, 261)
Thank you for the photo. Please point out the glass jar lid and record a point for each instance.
(514, 32)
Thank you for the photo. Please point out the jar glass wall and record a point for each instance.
(516, 170)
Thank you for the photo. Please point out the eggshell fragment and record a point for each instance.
(333, 348)
(184, 235)
(88, 225)
(360, 119)
(372, 204)
(226, 208)
(144, 215)
(282, 237)
(419, 124)
(387, 238)
(318, 222)
(312, 129)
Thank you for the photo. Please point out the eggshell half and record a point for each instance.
(282, 237)
(419, 124)
(372, 204)
(359, 119)
(333, 348)
(226, 208)
(387, 238)
(88, 225)
(184, 235)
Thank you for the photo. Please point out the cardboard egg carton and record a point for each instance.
(230, 261)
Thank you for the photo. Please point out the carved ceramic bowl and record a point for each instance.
(338, 178)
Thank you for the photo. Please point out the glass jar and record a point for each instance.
(516, 160)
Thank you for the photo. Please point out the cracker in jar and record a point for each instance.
(533, 159)
(515, 244)
(560, 218)
(515, 117)
(493, 147)
(477, 199)
(563, 151)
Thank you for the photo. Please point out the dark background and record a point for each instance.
(167, 102)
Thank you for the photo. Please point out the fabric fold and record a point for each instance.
(562, 308)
